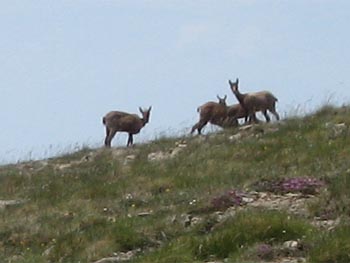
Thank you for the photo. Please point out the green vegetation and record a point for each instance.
(103, 203)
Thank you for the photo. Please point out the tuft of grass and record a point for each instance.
(248, 228)
(335, 201)
(332, 247)
(93, 233)
(177, 251)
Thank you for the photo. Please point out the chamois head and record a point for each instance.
(234, 86)
(145, 114)
(222, 101)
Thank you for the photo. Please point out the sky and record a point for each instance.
(65, 64)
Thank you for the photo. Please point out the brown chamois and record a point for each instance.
(118, 121)
(254, 102)
(235, 112)
(213, 112)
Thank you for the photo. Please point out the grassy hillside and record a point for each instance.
(267, 193)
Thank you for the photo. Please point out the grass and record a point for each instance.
(332, 247)
(249, 228)
(93, 203)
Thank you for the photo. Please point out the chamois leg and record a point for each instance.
(274, 112)
(109, 137)
(252, 118)
(267, 117)
(276, 115)
(246, 119)
(249, 118)
(130, 140)
(272, 109)
(200, 126)
(194, 128)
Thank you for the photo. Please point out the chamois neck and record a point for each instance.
(240, 97)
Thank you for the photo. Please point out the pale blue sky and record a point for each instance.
(64, 64)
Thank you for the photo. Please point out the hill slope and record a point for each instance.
(266, 193)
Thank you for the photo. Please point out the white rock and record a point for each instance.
(246, 127)
(156, 156)
(291, 244)
(235, 137)
(6, 203)
(247, 200)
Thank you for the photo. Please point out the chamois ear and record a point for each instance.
(230, 82)
(140, 109)
(149, 109)
(237, 80)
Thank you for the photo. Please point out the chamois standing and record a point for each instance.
(212, 112)
(235, 112)
(118, 121)
(254, 102)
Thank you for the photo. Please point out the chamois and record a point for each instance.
(213, 112)
(254, 102)
(118, 121)
(235, 112)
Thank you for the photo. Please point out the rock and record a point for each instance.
(175, 152)
(7, 203)
(247, 200)
(246, 127)
(48, 251)
(339, 129)
(129, 158)
(336, 130)
(291, 245)
(294, 203)
(195, 221)
(159, 156)
(119, 257)
(187, 220)
(235, 137)
(156, 156)
(181, 144)
(326, 224)
(63, 166)
(108, 260)
(144, 214)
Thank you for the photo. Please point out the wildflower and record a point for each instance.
(193, 202)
